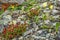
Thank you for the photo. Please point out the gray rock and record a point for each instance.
(4, 1)
(54, 12)
(16, 1)
(1, 28)
(7, 18)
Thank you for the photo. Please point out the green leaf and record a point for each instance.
(28, 8)
(44, 16)
(9, 8)
(1, 11)
(44, 27)
(19, 7)
(57, 26)
(25, 3)
(36, 19)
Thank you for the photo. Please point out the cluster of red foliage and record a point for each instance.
(5, 6)
(14, 30)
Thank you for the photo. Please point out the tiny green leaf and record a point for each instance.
(57, 26)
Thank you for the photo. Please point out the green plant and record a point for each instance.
(44, 17)
(57, 26)
(12, 7)
(36, 19)
(1, 11)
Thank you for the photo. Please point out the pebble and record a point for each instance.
(47, 21)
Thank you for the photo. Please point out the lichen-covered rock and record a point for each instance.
(13, 1)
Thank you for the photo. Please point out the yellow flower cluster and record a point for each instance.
(45, 4)
(51, 6)
(12, 6)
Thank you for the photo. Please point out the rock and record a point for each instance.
(7, 17)
(48, 35)
(21, 38)
(57, 38)
(1, 28)
(47, 39)
(35, 26)
(22, 22)
(16, 1)
(16, 11)
(5, 22)
(13, 1)
(57, 16)
(46, 21)
(54, 12)
(14, 39)
(19, 1)
(40, 31)
(4, 1)
(18, 20)
(28, 32)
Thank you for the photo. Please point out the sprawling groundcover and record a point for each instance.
(31, 20)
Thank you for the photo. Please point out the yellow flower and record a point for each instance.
(12, 6)
(51, 6)
(45, 4)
